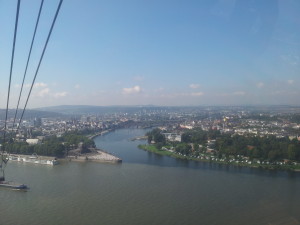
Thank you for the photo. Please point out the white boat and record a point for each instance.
(33, 156)
(20, 159)
(52, 162)
(13, 157)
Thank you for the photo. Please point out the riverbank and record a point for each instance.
(211, 159)
(139, 138)
(99, 134)
(95, 155)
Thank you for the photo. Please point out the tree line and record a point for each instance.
(194, 142)
(51, 146)
(263, 148)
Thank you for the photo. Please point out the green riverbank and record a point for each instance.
(207, 158)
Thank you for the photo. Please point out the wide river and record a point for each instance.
(147, 189)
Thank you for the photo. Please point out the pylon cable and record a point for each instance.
(28, 59)
(38, 67)
(10, 75)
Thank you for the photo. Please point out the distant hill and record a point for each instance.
(29, 113)
(71, 109)
(88, 109)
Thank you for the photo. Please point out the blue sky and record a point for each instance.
(138, 52)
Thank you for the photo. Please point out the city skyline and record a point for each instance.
(155, 53)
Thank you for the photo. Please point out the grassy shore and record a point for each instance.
(152, 148)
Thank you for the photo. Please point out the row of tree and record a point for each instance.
(52, 146)
(199, 136)
(263, 148)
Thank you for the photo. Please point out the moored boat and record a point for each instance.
(13, 185)
(52, 162)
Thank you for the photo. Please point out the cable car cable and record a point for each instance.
(28, 59)
(41, 58)
(9, 84)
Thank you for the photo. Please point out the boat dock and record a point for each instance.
(33, 159)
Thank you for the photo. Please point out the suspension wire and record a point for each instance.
(9, 84)
(41, 58)
(28, 59)
(25, 72)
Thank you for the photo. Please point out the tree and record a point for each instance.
(159, 138)
(183, 148)
(292, 152)
(273, 155)
(149, 138)
(59, 150)
(156, 136)
(186, 137)
(196, 147)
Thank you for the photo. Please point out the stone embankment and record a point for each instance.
(97, 156)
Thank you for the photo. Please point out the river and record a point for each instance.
(148, 189)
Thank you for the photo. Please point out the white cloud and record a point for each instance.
(60, 94)
(77, 86)
(41, 84)
(47, 93)
(133, 90)
(290, 81)
(43, 92)
(260, 85)
(197, 94)
(194, 86)
(28, 85)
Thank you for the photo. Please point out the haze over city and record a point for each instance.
(156, 52)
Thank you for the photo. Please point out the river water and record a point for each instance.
(148, 189)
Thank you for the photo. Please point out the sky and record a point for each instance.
(158, 52)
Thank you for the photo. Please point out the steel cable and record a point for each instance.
(28, 59)
(38, 67)
(9, 84)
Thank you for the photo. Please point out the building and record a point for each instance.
(33, 141)
(172, 137)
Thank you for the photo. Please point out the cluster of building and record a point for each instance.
(172, 119)
(235, 124)
(33, 131)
